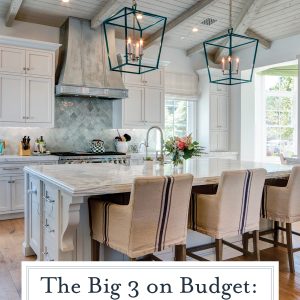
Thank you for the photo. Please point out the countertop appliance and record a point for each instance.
(89, 157)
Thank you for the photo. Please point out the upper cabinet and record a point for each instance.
(29, 62)
(144, 106)
(152, 79)
(27, 70)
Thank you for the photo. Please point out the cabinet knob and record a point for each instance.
(24, 117)
(33, 191)
(24, 69)
(45, 252)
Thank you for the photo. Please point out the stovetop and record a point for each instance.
(107, 153)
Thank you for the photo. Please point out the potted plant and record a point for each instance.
(182, 148)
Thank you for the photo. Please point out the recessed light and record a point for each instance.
(65, 1)
(195, 29)
(182, 38)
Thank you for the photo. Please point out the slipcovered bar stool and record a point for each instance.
(233, 210)
(155, 218)
(282, 204)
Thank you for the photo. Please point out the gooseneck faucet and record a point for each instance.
(161, 143)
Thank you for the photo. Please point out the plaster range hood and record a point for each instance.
(83, 65)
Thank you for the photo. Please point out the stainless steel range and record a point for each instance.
(90, 157)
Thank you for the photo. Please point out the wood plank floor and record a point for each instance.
(12, 235)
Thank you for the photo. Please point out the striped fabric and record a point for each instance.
(155, 218)
(234, 209)
(245, 201)
(164, 213)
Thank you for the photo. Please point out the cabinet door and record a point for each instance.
(17, 192)
(222, 141)
(12, 98)
(154, 78)
(35, 213)
(39, 100)
(133, 79)
(12, 60)
(133, 107)
(5, 194)
(39, 63)
(223, 112)
(213, 112)
(213, 141)
(154, 106)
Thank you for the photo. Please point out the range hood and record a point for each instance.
(83, 66)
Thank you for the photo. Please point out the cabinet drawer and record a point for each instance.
(11, 169)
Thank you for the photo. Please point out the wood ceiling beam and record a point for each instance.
(12, 12)
(110, 8)
(196, 8)
(244, 21)
(241, 26)
(264, 42)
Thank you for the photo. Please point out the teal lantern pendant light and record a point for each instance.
(223, 60)
(126, 36)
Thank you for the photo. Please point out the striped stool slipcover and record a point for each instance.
(233, 210)
(155, 218)
(282, 204)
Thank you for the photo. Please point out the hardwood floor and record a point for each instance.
(11, 238)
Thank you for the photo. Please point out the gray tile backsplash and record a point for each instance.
(77, 122)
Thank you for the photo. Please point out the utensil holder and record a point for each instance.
(23, 152)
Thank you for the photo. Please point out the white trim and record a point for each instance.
(26, 43)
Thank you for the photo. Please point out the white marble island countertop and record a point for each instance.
(96, 179)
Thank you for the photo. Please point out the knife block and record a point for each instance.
(23, 152)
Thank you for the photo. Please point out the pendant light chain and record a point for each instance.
(230, 14)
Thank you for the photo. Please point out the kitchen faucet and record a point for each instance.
(161, 143)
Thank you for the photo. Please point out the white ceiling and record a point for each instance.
(276, 18)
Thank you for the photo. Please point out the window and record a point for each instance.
(180, 117)
(280, 117)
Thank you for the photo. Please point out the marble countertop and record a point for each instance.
(18, 158)
(96, 179)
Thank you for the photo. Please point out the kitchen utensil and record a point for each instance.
(97, 146)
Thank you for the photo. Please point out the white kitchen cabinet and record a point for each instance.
(214, 114)
(145, 105)
(151, 79)
(17, 193)
(12, 60)
(39, 99)
(39, 63)
(25, 100)
(133, 107)
(5, 194)
(154, 106)
(218, 112)
(218, 141)
(12, 98)
(27, 82)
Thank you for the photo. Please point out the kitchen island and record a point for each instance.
(56, 209)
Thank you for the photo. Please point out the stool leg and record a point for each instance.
(180, 252)
(289, 239)
(245, 243)
(255, 244)
(276, 232)
(95, 250)
(219, 249)
(132, 259)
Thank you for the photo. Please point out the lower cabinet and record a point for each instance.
(218, 141)
(12, 194)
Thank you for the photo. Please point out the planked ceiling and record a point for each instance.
(275, 19)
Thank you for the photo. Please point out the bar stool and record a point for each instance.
(155, 218)
(281, 204)
(233, 210)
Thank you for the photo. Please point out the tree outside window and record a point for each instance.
(280, 115)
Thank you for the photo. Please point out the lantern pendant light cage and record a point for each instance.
(222, 57)
(126, 35)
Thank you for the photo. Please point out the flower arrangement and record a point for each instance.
(182, 148)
